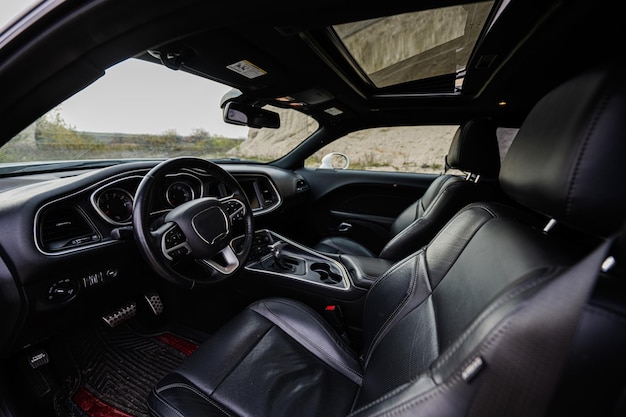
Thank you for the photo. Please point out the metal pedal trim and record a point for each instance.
(116, 317)
(154, 302)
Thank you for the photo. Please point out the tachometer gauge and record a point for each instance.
(116, 204)
(178, 193)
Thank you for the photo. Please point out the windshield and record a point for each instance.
(143, 110)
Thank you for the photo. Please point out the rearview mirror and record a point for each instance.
(245, 115)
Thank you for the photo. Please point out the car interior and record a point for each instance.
(474, 150)
(171, 275)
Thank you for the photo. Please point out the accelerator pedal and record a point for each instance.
(154, 302)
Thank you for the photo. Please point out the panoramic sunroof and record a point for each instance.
(415, 46)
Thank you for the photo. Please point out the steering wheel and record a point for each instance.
(205, 240)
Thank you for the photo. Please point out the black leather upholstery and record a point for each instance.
(277, 358)
(474, 149)
(587, 136)
(452, 330)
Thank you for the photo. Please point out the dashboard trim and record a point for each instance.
(94, 200)
(102, 242)
(92, 191)
(259, 194)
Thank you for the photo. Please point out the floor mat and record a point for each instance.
(118, 367)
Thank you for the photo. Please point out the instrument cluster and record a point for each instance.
(114, 201)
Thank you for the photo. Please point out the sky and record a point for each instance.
(139, 97)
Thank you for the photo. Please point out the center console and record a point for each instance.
(277, 256)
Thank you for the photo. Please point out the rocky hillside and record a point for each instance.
(417, 149)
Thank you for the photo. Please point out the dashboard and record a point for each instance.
(66, 244)
(73, 221)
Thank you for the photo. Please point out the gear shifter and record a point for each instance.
(282, 262)
(277, 248)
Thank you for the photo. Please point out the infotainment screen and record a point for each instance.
(250, 188)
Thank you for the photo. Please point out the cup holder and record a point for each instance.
(326, 275)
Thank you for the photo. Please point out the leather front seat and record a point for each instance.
(459, 327)
(474, 150)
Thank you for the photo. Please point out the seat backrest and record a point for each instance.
(467, 300)
(474, 150)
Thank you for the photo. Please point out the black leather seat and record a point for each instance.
(462, 325)
(474, 150)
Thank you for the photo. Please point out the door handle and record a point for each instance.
(344, 227)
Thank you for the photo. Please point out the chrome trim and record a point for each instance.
(107, 186)
(36, 236)
(188, 173)
(139, 173)
(259, 195)
(165, 251)
(68, 196)
(345, 277)
(105, 216)
(232, 262)
(169, 187)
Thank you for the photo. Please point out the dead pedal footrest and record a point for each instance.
(117, 316)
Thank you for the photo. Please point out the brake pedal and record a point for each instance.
(154, 302)
(121, 314)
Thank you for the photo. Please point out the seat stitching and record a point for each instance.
(385, 397)
(327, 355)
(357, 377)
(488, 209)
(437, 389)
(427, 211)
(168, 405)
(484, 315)
(583, 150)
(329, 334)
(195, 391)
(239, 361)
(383, 329)
(392, 269)
(355, 372)
(421, 398)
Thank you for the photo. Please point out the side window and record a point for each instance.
(419, 149)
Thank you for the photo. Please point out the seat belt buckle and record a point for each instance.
(334, 316)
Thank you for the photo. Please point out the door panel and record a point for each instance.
(360, 205)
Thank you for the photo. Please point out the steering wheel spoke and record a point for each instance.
(200, 230)
(224, 262)
(174, 244)
(234, 208)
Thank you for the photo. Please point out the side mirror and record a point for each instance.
(335, 160)
(244, 115)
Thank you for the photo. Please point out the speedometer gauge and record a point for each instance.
(178, 193)
(116, 204)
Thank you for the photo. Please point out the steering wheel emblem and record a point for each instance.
(211, 225)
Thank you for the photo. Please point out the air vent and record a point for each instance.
(301, 186)
(64, 228)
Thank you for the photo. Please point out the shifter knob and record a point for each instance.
(277, 248)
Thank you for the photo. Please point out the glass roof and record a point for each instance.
(415, 46)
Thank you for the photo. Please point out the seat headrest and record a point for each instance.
(567, 160)
(474, 148)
